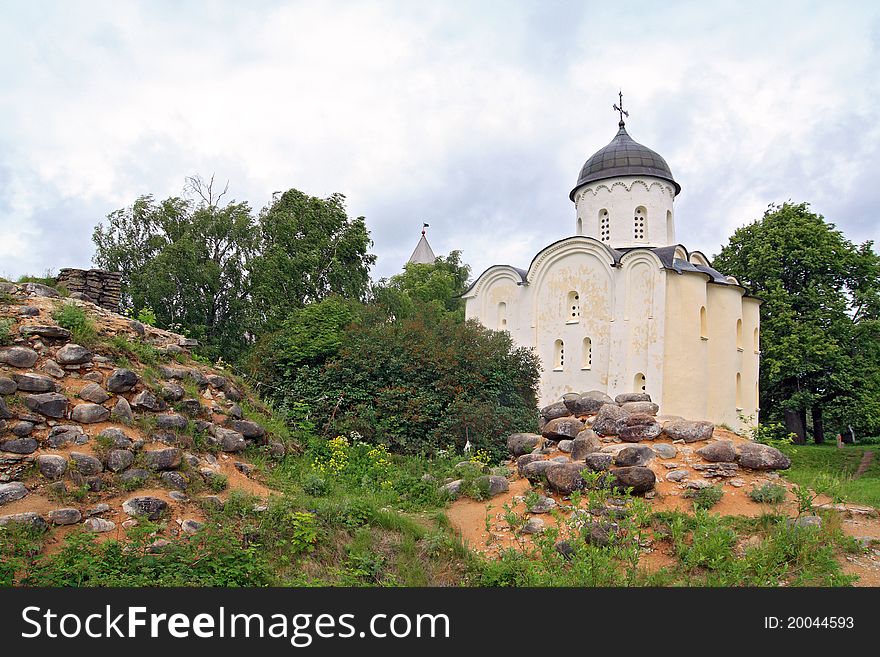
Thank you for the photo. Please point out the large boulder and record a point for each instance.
(66, 434)
(638, 478)
(646, 407)
(119, 459)
(7, 386)
(585, 443)
(562, 427)
(116, 438)
(598, 461)
(94, 393)
(121, 380)
(99, 525)
(122, 411)
(250, 430)
(86, 464)
(565, 478)
(89, 414)
(51, 466)
(171, 421)
(494, 484)
(721, 451)
(172, 392)
(756, 456)
(229, 440)
(665, 451)
(163, 459)
(19, 445)
(535, 470)
(639, 427)
(585, 404)
(22, 357)
(29, 382)
(635, 455)
(5, 413)
(610, 419)
(73, 354)
(522, 443)
(50, 404)
(597, 395)
(50, 332)
(151, 507)
(29, 518)
(523, 460)
(553, 411)
(11, 492)
(65, 516)
(690, 431)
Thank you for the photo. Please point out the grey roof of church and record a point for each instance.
(624, 157)
(423, 254)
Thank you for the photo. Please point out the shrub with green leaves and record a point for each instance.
(706, 498)
(5, 332)
(81, 326)
(768, 493)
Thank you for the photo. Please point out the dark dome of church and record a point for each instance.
(624, 157)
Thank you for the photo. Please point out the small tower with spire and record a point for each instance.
(423, 254)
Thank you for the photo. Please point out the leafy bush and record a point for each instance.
(768, 493)
(82, 327)
(706, 498)
(422, 385)
(5, 332)
(147, 315)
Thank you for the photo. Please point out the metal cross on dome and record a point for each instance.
(620, 109)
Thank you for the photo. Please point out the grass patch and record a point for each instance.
(6, 332)
(706, 498)
(125, 350)
(813, 465)
(81, 326)
(768, 493)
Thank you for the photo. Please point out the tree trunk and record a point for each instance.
(818, 427)
(794, 423)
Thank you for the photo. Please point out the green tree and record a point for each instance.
(433, 288)
(186, 258)
(819, 319)
(310, 248)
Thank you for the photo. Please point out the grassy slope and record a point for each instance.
(810, 462)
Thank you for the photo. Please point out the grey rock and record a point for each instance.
(635, 455)
(804, 521)
(163, 459)
(65, 516)
(217, 381)
(174, 480)
(5, 413)
(33, 520)
(229, 440)
(116, 437)
(586, 404)
(66, 434)
(190, 407)
(598, 461)
(535, 470)
(453, 488)
(187, 342)
(190, 526)
(565, 477)
(543, 505)
(171, 421)
(45, 331)
(137, 327)
(610, 419)
(40, 290)
(172, 392)
(718, 451)
(600, 532)
(122, 411)
(86, 464)
(94, 393)
(51, 466)
(565, 446)
(177, 496)
(151, 507)
(646, 407)
(19, 446)
(7, 386)
(134, 474)
(533, 526)
(665, 451)
(30, 382)
(756, 456)
(94, 377)
(99, 525)
(495, 484)
(553, 411)
(565, 549)
(119, 459)
(250, 430)
(97, 510)
(29, 311)
(632, 397)
(235, 412)
(73, 354)
(562, 427)
(18, 356)
(12, 491)
(689, 431)
(50, 404)
(22, 429)
(53, 369)
(146, 400)
(523, 460)
(677, 475)
(89, 413)
(522, 443)
(277, 450)
(212, 502)
(640, 479)
(244, 468)
(121, 380)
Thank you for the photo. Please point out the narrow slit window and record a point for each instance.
(739, 334)
(573, 307)
(704, 323)
(588, 354)
(502, 316)
(640, 221)
(604, 226)
(639, 383)
(559, 355)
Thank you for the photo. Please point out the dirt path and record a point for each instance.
(867, 459)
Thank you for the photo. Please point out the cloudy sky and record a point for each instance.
(474, 117)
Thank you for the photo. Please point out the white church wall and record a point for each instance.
(639, 212)
(750, 361)
(725, 384)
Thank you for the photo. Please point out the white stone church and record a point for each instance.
(621, 306)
